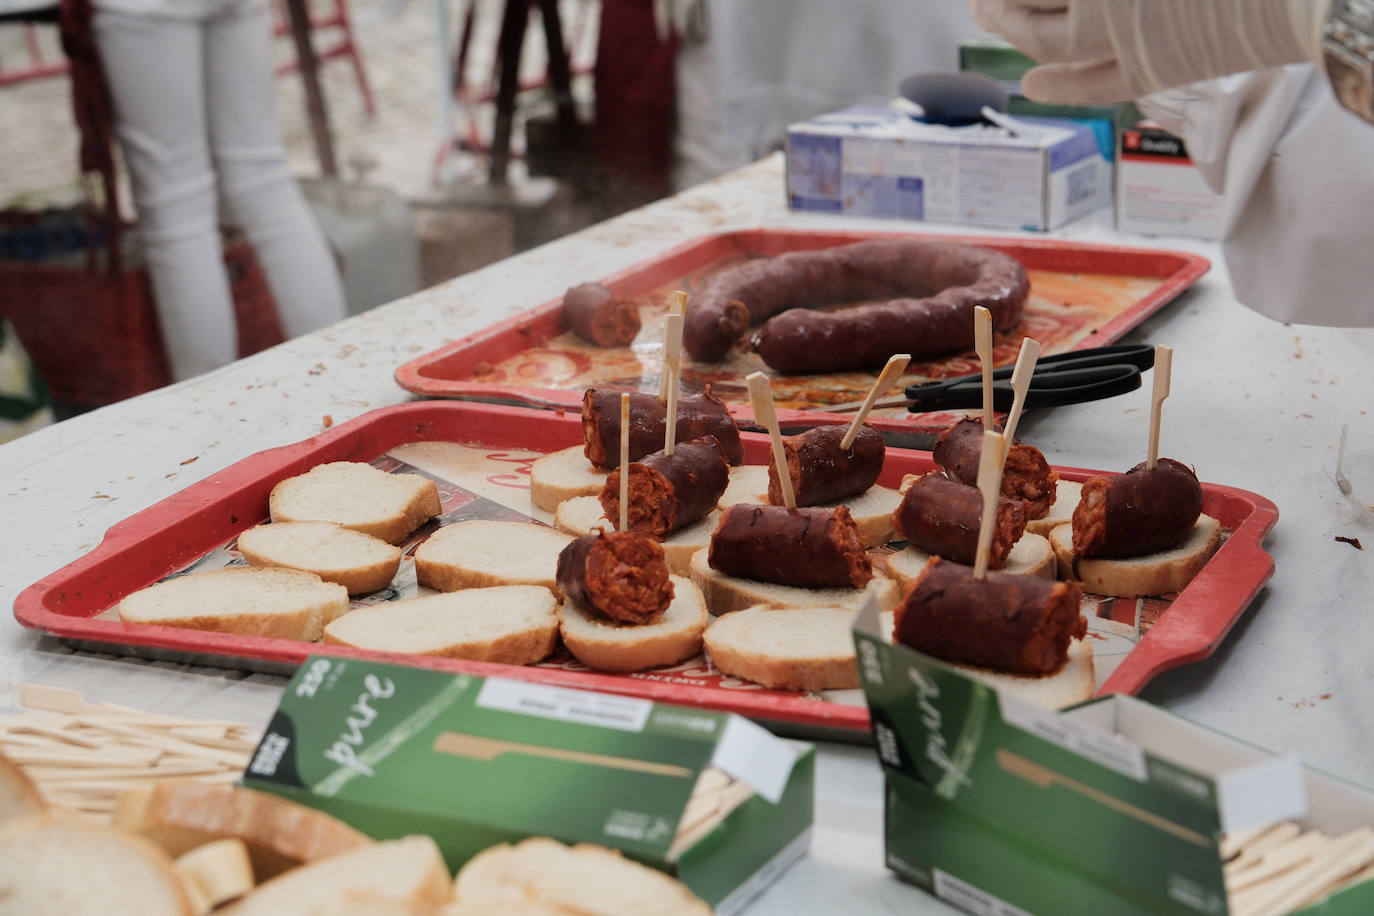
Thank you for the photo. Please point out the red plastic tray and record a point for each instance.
(1081, 296)
(187, 526)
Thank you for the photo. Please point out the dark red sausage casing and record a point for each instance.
(698, 415)
(930, 288)
(1008, 622)
(942, 516)
(599, 317)
(1140, 512)
(1026, 475)
(809, 547)
(821, 471)
(621, 575)
(668, 492)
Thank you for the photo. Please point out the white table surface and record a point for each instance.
(1255, 404)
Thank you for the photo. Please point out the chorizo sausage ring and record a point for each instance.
(930, 290)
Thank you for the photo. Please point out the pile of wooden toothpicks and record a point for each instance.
(82, 755)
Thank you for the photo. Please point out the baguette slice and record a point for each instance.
(19, 797)
(504, 908)
(253, 601)
(599, 643)
(1162, 573)
(730, 593)
(1067, 494)
(359, 562)
(790, 649)
(55, 864)
(871, 510)
(180, 815)
(357, 495)
(1073, 683)
(509, 624)
(584, 879)
(215, 873)
(482, 553)
(583, 514)
(1031, 555)
(561, 475)
(409, 870)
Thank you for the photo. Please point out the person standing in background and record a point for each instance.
(191, 84)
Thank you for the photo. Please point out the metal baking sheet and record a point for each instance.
(1082, 295)
(480, 456)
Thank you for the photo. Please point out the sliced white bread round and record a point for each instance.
(561, 475)
(407, 870)
(1073, 683)
(583, 514)
(1031, 555)
(872, 509)
(19, 797)
(729, 593)
(482, 553)
(1162, 573)
(363, 903)
(1066, 496)
(248, 600)
(216, 873)
(786, 649)
(513, 907)
(182, 814)
(600, 643)
(509, 624)
(582, 878)
(55, 864)
(359, 496)
(359, 562)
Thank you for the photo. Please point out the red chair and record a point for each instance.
(337, 18)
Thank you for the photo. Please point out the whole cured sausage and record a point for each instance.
(942, 517)
(809, 547)
(1026, 475)
(1021, 624)
(697, 415)
(599, 317)
(668, 492)
(622, 575)
(821, 471)
(1143, 511)
(930, 290)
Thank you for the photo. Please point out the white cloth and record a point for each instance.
(1297, 171)
(768, 63)
(194, 114)
(179, 9)
(1095, 51)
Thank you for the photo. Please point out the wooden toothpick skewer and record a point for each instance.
(896, 365)
(761, 396)
(624, 522)
(672, 364)
(677, 306)
(1020, 381)
(990, 486)
(1164, 360)
(982, 345)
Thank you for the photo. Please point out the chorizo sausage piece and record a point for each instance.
(1026, 475)
(698, 415)
(810, 547)
(942, 516)
(930, 290)
(599, 317)
(668, 492)
(1008, 622)
(1140, 512)
(821, 471)
(622, 575)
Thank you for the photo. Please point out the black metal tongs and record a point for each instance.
(1064, 378)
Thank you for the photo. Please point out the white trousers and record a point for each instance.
(195, 117)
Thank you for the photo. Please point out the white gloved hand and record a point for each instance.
(1097, 51)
